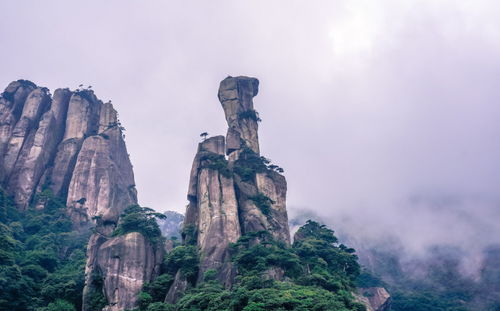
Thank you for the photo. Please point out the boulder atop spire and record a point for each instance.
(236, 96)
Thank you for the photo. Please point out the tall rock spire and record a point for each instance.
(232, 196)
(261, 190)
(236, 96)
(213, 208)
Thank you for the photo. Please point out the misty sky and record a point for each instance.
(385, 115)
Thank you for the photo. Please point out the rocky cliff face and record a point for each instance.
(236, 96)
(118, 267)
(72, 144)
(232, 189)
(261, 190)
(213, 208)
(127, 262)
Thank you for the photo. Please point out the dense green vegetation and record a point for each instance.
(317, 274)
(435, 282)
(87, 94)
(216, 162)
(250, 114)
(42, 268)
(41, 259)
(140, 219)
(263, 202)
(183, 259)
(249, 163)
(95, 298)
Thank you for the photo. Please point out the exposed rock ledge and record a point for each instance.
(374, 298)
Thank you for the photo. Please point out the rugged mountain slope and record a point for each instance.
(72, 144)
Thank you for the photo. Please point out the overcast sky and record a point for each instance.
(385, 115)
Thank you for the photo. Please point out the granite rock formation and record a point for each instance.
(213, 209)
(72, 145)
(236, 96)
(127, 262)
(232, 189)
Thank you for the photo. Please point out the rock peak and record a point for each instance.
(232, 196)
(236, 97)
(71, 144)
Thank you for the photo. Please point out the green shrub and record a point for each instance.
(256, 252)
(190, 234)
(140, 219)
(216, 162)
(144, 300)
(263, 202)
(249, 114)
(185, 259)
(248, 164)
(160, 306)
(320, 253)
(86, 94)
(159, 287)
(210, 275)
(60, 305)
(367, 279)
(95, 297)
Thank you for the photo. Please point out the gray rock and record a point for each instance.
(35, 105)
(11, 106)
(62, 171)
(83, 115)
(273, 185)
(82, 120)
(218, 224)
(92, 268)
(236, 96)
(233, 140)
(374, 298)
(213, 144)
(177, 289)
(102, 183)
(38, 151)
(252, 218)
(126, 263)
(221, 205)
(213, 211)
(274, 273)
(73, 145)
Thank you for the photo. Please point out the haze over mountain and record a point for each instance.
(384, 115)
